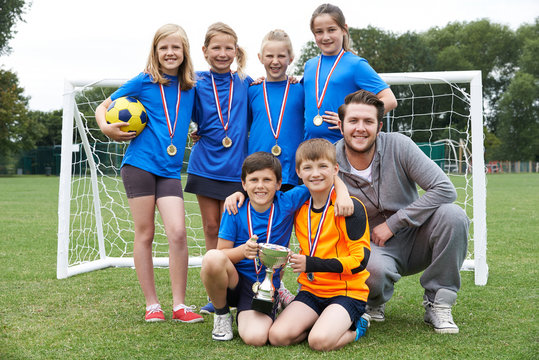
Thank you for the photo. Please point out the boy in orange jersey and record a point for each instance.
(330, 307)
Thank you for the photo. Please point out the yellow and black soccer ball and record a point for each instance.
(130, 110)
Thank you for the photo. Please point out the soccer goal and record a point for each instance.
(441, 111)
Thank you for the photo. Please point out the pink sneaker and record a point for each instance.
(285, 297)
(186, 314)
(155, 314)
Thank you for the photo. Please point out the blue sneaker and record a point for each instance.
(362, 325)
(207, 309)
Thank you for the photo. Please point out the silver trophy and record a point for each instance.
(273, 257)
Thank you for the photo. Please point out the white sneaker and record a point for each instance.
(222, 327)
(377, 313)
(438, 313)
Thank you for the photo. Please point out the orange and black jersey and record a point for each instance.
(338, 265)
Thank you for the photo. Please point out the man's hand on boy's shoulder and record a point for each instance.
(233, 202)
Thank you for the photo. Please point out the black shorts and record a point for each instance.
(213, 189)
(138, 182)
(354, 307)
(242, 295)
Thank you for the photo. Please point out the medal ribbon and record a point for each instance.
(313, 243)
(171, 130)
(216, 96)
(281, 113)
(320, 99)
(268, 230)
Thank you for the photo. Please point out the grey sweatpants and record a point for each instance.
(439, 247)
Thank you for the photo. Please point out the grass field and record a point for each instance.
(99, 315)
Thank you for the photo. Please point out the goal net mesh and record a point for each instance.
(435, 115)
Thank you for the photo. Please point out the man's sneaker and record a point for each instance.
(207, 309)
(362, 325)
(377, 313)
(185, 314)
(438, 313)
(222, 327)
(285, 298)
(154, 313)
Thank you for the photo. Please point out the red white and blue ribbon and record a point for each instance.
(171, 129)
(216, 96)
(281, 113)
(313, 243)
(320, 99)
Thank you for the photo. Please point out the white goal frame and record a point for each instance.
(72, 120)
(479, 262)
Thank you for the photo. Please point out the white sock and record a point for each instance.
(178, 307)
(153, 307)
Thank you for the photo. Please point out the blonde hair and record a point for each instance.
(278, 35)
(186, 73)
(337, 15)
(315, 149)
(221, 28)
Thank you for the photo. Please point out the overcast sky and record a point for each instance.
(76, 39)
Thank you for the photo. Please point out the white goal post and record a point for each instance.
(441, 111)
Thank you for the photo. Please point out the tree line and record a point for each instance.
(508, 59)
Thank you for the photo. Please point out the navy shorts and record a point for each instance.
(138, 182)
(242, 295)
(213, 189)
(354, 307)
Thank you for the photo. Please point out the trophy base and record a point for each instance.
(262, 306)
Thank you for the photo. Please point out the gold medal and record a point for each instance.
(255, 287)
(171, 150)
(227, 142)
(318, 120)
(276, 150)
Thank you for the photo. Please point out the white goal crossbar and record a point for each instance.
(75, 141)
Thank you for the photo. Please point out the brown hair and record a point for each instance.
(221, 28)
(315, 149)
(362, 97)
(337, 15)
(186, 74)
(261, 160)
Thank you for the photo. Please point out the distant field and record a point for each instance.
(99, 315)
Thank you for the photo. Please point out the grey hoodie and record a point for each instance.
(398, 165)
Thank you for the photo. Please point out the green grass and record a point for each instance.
(99, 315)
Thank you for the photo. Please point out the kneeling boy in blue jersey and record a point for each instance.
(329, 309)
(228, 272)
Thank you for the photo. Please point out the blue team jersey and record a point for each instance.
(235, 228)
(209, 158)
(148, 151)
(351, 74)
(261, 136)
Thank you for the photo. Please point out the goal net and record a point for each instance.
(440, 111)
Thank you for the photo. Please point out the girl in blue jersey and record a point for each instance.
(220, 112)
(153, 161)
(276, 107)
(337, 72)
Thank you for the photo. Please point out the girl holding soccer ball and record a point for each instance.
(337, 72)
(153, 161)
